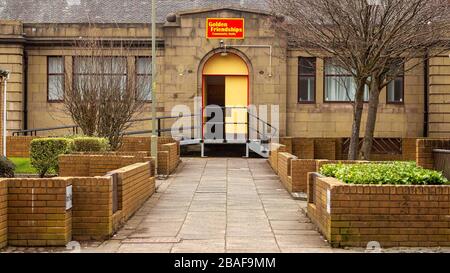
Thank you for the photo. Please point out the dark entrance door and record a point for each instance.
(215, 104)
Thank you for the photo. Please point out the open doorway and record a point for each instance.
(215, 96)
(225, 90)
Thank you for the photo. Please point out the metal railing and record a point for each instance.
(262, 135)
(76, 129)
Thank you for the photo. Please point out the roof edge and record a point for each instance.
(229, 8)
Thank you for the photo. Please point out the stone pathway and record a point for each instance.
(219, 205)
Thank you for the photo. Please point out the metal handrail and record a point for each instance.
(160, 130)
(75, 128)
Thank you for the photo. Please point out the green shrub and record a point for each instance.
(6, 167)
(44, 153)
(90, 144)
(397, 173)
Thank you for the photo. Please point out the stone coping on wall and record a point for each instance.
(351, 215)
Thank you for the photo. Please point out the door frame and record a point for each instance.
(203, 81)
(203, 95)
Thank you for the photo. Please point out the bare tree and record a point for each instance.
(354, 34)
(102, 92)
(407, 31)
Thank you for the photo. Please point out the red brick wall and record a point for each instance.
(273, 155)
(303, 148)
(168, 158)
(37, 213)
(284, 169)
(18, 146)
(331, 148)
(395, 216)
(325, 148)
(139, 144)
(3, 213)
(136, 185)
(299, 173)
(424, 151)
(89, 165)
(92, 208)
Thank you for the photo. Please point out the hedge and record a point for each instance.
(44, 153)
(395, 173)
(90, 144)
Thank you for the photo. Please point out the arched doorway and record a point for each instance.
(225, 86)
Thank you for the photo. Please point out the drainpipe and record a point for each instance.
(25, 90)
(426, 94)
(5, 84)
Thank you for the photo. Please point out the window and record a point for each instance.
(339, 84)
(55, 79)
(306, 80)
(100, 73)
(395, 89)
(144, 78)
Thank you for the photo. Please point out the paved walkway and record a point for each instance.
(219, 205)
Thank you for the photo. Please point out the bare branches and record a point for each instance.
(371, 39)
(103, 92)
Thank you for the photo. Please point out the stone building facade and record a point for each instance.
(27, 43)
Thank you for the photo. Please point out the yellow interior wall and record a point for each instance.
(236, 96)
(225, 65)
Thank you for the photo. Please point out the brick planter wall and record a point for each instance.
(37, 214)
(136, 185)
(294, 172)
(92, 208)
(89, 165)
(425, 149)
(331, 149)
(168, 158)
(273, 155)
(3, 213)
(93, 216)
(35, 209)
(395, 216)
(168, 150)
(18, 146)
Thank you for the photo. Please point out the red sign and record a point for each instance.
(221, 28)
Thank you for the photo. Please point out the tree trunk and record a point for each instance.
(358, 108)
(374, 100)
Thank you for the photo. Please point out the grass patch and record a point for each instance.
(23, 165)
(395, 173)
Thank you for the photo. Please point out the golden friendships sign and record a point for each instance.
(225, 28)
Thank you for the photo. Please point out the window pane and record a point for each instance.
(55, 65)
(331, 69)
(55, 88)
(307, 88)
(395, 90)
(339, 88)
(144, 65)
(307, 66)
(118, 65)
(145, 88)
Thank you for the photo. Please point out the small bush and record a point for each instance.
(90, 144)
(44, 153)
(6, 167)
(396, 173)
